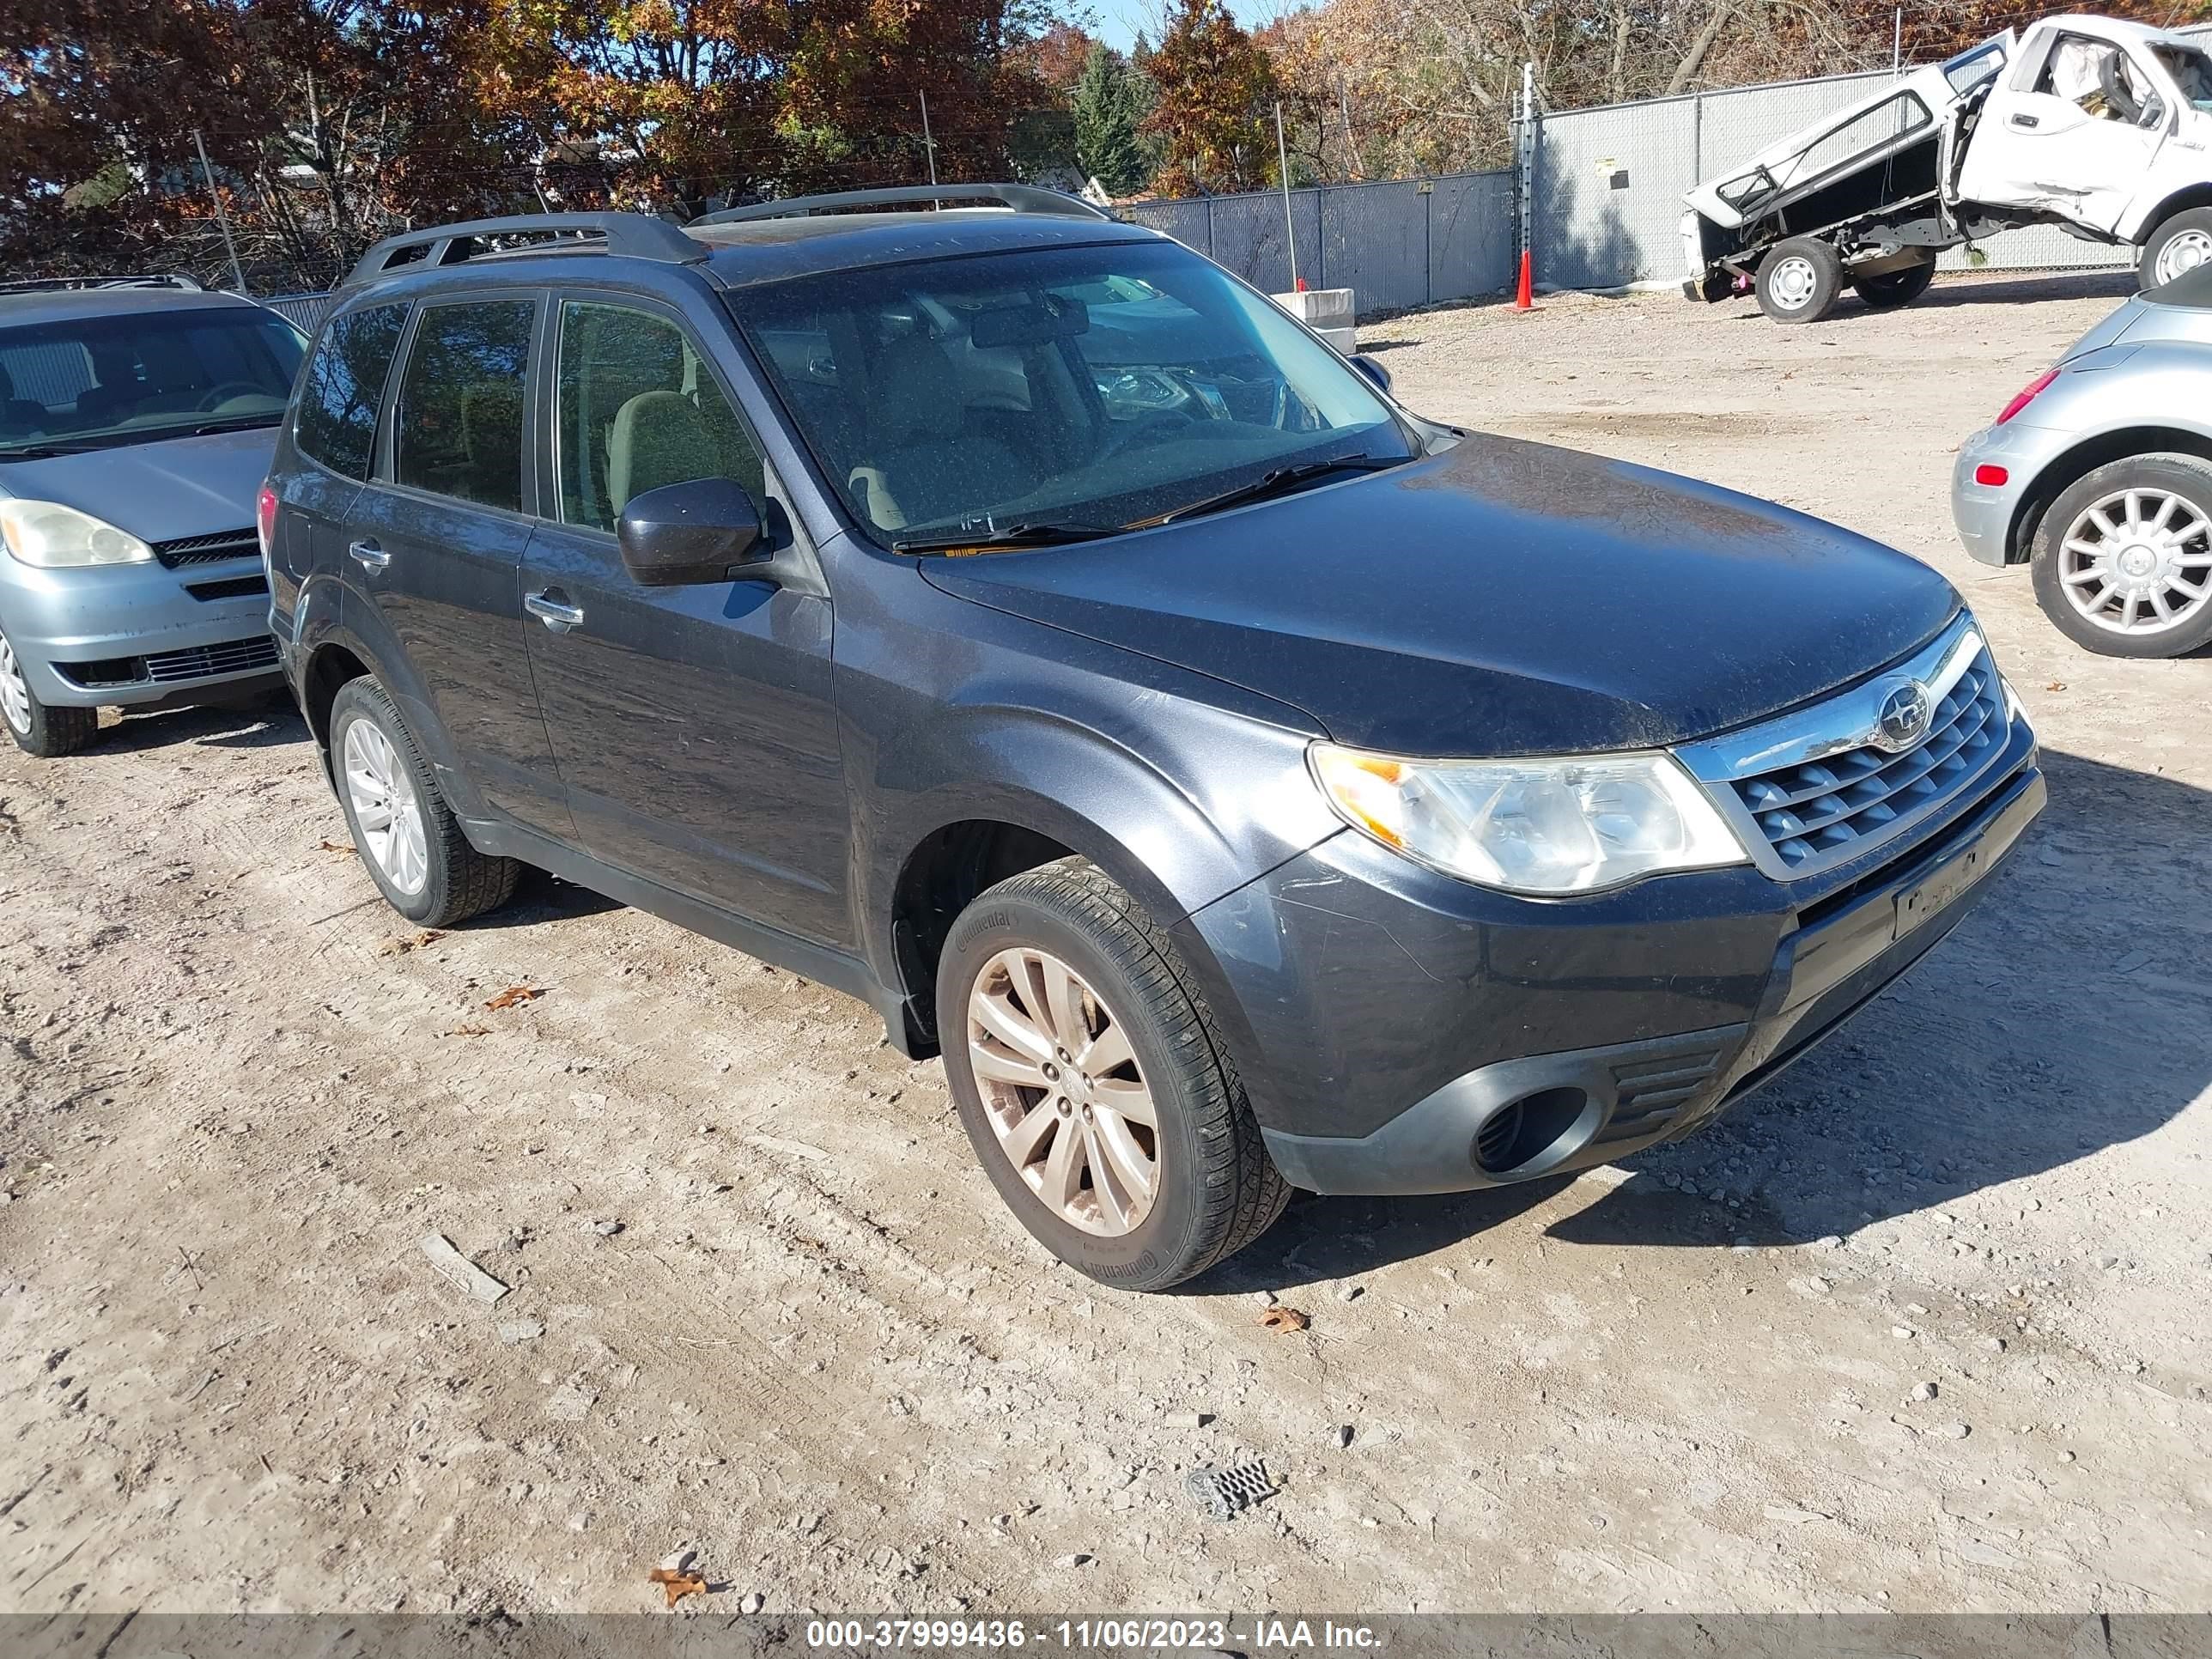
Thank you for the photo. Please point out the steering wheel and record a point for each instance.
(219, 395)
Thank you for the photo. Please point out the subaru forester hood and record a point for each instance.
(158, 491)
(1503, 598)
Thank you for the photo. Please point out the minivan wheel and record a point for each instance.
(38, 728)
(1800, 281)
(1093, 1085)
(2123, 559)
(406, 834)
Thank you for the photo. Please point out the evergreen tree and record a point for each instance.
(1110, 100)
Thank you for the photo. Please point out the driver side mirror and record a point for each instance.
(681, 533)
(2153, 113)
(1373, 370)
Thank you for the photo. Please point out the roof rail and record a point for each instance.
(638, 235)
(1022, 199)
(47, 284)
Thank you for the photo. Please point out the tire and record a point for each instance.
(2167, 499)
(1212, 1189)
(1800, 280)
(42, 729)
(1893, 289)
(2181, 243)
(423, 864)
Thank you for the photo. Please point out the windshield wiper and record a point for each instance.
(237, 423)
(1013, 535)
(40, 451)
(1280, 481)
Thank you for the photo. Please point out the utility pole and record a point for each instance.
(1351, 168)
(221, 218)
(1897, 45)
(929, 143)
(1283, 169)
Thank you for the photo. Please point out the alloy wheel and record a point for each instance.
(1793, 282)
(15, 690)
(2138, 561)
(1061, 1087)
(386, 807)
(2183, 251)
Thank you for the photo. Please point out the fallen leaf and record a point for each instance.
(400, 947)
(1283, 1319)
(468, 1030)
(514, 996)
(678, 1584)
(334, 846)
(2056, 685)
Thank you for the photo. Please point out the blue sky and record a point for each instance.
(1118, 20)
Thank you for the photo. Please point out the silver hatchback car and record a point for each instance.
(2099, 476)
(137, 419)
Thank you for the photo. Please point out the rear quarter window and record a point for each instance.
(344, 385)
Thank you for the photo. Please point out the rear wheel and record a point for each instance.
(2122, 560)
(1800, 281)
(2180, 245)
(406, 834)
(1895, 288)
(40, 728)
(1093, 1085)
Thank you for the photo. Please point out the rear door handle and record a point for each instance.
(552, 608)
(2027, 121)
(371, 557)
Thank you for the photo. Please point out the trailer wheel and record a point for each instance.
(2182, 243)
(1895, 288)
(1800, 281)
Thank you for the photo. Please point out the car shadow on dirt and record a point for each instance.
(2063, 1017)
(261, 722)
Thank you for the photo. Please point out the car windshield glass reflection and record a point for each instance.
(102, 381)
(1094, 387)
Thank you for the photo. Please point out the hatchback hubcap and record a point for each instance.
(15, 690)
(1060, 1085)
(2190, 249)
(2138, 561)
(386, 808)
(1793, 282)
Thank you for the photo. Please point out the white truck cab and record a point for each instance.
(2099, 127)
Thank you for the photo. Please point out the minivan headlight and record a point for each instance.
(1549, 827)
(51, 536)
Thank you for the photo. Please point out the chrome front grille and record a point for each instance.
(1809, 790)
(201, 661)
(208, 550)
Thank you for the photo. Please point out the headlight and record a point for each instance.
(51, 536)
(1550, 827)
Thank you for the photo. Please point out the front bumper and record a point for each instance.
(132, 635)
(1534, 1039)
(1985, 514)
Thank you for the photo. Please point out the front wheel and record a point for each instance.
(405, 833)
(2122, 560)
(1093, 1085)
(40, 728)
(1800, 281)
(1895, 288)
(2178, 245)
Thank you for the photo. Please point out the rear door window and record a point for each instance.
(458, 429)
(344, 385)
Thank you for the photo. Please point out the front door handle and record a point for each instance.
(2027, 121)
(371, 557)
(549, 607)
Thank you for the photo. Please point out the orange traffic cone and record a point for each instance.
(1524, 298)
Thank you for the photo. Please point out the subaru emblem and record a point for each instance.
(1903, 719)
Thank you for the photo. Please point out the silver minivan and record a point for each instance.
(138, 418)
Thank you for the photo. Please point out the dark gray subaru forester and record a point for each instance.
(1014, 620)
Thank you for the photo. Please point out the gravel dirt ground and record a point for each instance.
(1924, 1325)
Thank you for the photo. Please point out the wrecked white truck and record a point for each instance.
(2101, 127)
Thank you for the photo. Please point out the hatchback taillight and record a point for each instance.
(264, 521)
(2026, 394)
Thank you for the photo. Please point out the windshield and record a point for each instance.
(134, 377)
(1089, 387)
(2191, 71)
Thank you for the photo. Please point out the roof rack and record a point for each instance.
(638, 235)
(1022, 199)
(49, 284)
